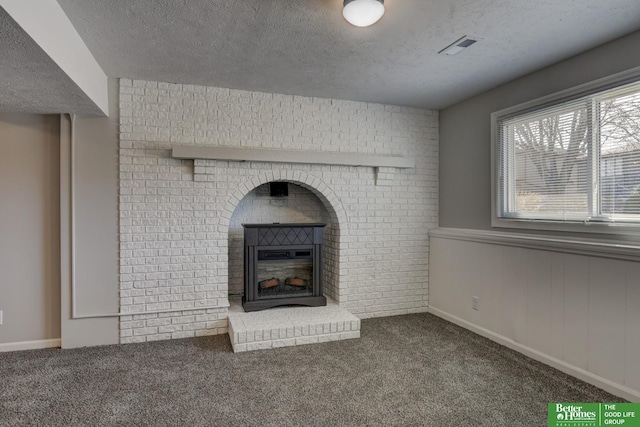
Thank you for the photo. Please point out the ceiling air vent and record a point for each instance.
(459, 45)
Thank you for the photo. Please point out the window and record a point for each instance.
(572, 161)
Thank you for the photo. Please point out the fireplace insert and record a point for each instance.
(282, 265)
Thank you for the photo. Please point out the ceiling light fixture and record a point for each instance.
(363, 13)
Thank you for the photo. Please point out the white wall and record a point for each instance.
(29, 229)
(95, 220)
(575, 311)
(175, 214)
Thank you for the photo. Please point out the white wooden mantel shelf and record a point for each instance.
(290, 156)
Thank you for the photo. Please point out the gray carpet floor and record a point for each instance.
(415, 370)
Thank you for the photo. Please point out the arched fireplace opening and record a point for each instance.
(301, 204)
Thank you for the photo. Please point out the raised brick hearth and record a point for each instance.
(289, 326)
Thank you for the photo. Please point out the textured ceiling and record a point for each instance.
(31, 82)
(305, 47)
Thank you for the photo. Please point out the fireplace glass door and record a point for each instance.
(285, 273)
(282, 265)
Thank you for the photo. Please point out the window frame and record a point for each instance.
(580, 226)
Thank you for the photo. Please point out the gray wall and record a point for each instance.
(35, 228)
(96, 219)
(29, 232)
(465, 128)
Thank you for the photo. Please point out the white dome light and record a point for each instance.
(363, 13)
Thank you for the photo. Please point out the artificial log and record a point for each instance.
(269, 283)
(295, 281)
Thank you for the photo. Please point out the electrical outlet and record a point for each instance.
(0, 317)
(475, 303)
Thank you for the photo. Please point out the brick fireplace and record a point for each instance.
(176, 214)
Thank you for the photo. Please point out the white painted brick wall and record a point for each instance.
(175, 215)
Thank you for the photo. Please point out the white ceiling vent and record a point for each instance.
(459, 45)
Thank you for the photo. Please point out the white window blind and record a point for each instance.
(573, 161)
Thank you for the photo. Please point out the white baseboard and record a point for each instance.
(29, 345)
(586, 376)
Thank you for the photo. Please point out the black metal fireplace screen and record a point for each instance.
(282, 265)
